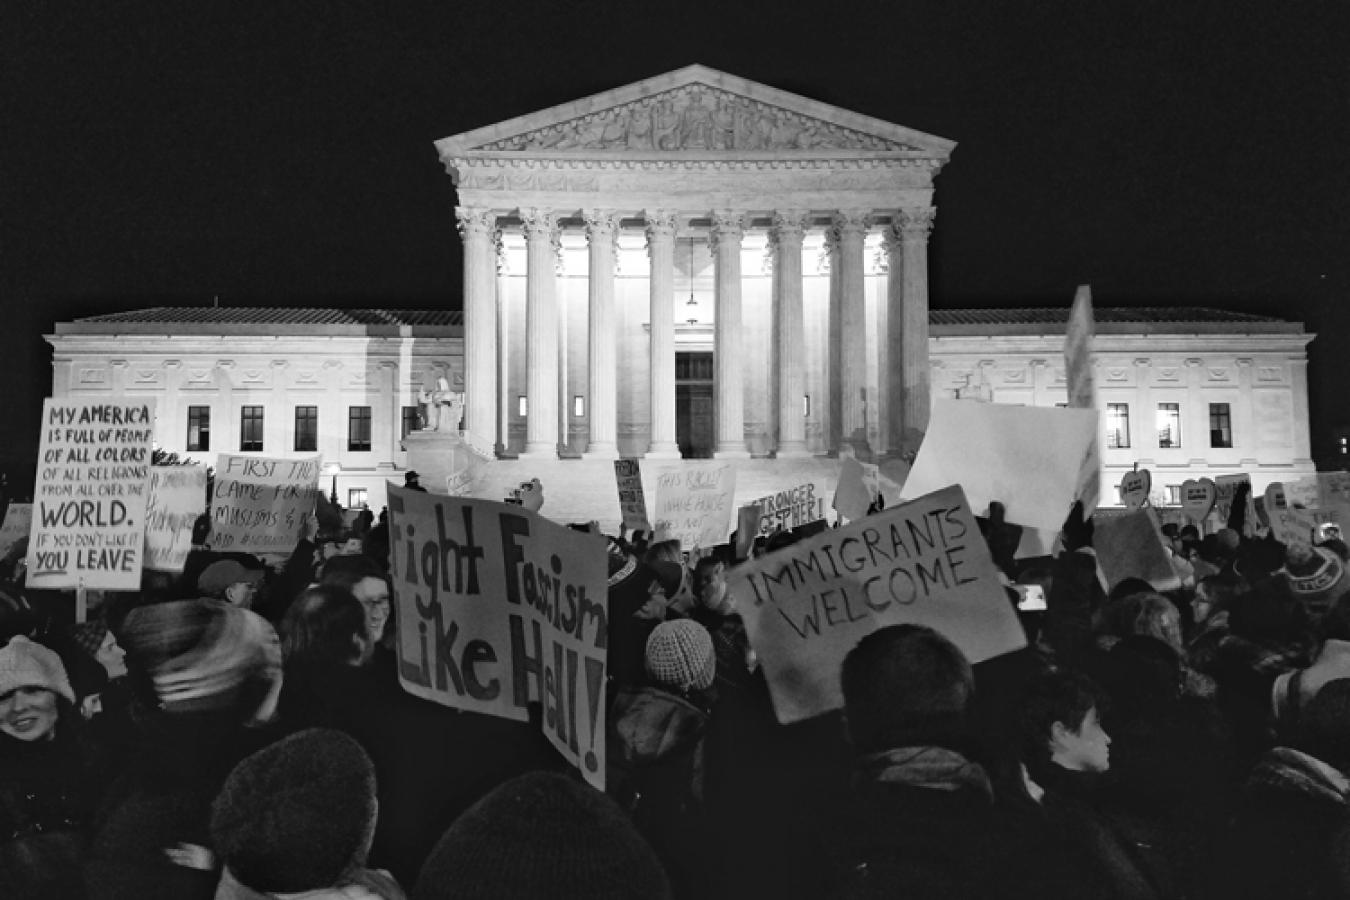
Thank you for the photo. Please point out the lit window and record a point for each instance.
(522, 406)
(251, 428)
(358, 428)
(579, 406)
(1117, 425)
(356, 498)
(307, 428)
(199, 428)
(1174, 495)
(1220, 426)
(1169, 425)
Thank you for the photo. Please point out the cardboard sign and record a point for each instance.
(1082, 386)
(498, 607)
(852, 498)
(632, 498)
(790, 509)
(177, 498)
(1293, 526)
(1135, 488)
(1129, 546)
(694, 503)
(1028, 458)
(1197, 497)
(924, 562)
(18, 521)
(93, 478)
(260, 503)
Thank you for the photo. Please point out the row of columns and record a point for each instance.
(903, 357)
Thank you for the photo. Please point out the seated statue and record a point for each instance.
(442, 408)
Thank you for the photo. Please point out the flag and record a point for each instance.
(1078, 340)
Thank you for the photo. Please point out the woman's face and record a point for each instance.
(374, 596)
(112, 657)
(29, 714)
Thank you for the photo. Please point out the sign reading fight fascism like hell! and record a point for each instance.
(497, 608)
(923, 562)
(93, 478)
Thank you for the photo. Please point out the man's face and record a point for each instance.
(374, 596)
(242, 593)
(351, 547)
(1088, 749)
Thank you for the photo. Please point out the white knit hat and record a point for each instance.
(26, 664)
(680, 655)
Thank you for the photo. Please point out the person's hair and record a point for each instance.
(347, 572)
(1223, 589)
(1059, 696)
(780, 539)
(1147, 614)
(703, 569)
(1141, 673)
(664, 551)
(320, 628)
(905, 685)
(1128, 587)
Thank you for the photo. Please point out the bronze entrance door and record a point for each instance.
(694, 405)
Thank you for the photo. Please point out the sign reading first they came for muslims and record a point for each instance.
(922, 562)
(498, 608)
(90, 499)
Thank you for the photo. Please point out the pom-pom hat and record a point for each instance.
(24, 664)
(680, 655)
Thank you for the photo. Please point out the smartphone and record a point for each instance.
(1328, 531)
(1030, 597)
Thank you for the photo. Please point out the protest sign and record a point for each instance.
(1131, 545)
(694, 503)
(924, 562)
(632, 499)
(1026, 457)
(260, 503)
(1198, 498)
(790, 509)
(498, 607)
(1295, 526)
(177, 498)
(18, 521)
(93, 475)
(852, 499)
(1082, 385)
(1227, 487)
(1135, 488)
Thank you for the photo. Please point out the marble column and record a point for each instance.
(891, 358)
(387, 417)
(541, 334)
(661, 251)
(852, 226)
(834, 355)
(503, 444)
(602, 381)
(727, 233)
(1244, 415)
(480, 330)
(1298, 381)
(789, 227)
(912, 226)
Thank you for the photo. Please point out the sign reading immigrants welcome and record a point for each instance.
(498, 607)
(93, 477)
(923, 562)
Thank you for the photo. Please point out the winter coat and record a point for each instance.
(925, 827)
(366, 884)
(49, 791)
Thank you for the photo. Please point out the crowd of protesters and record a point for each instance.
(240, 732)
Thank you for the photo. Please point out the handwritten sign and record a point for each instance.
(1028, 458)
(1198, 497)
(923, 562)
(498, 607)
(18, 521)
(694, 503)
(632, 498)
(93, 477)
(1227, 487)
(260, 503)
(177, 498)
(790, 509)
(1131, 546)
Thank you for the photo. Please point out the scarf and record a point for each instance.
(935, 768)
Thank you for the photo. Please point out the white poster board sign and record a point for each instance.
(694, 503)
(260, 503)
(92, 485)
(177, 498)
(632, 497)
(18, 521)
(790, 509)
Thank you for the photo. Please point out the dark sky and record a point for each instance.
(1193, 152)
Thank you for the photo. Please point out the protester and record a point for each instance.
(51, 777)
(543, 837)
(230, 581)
(298, 817)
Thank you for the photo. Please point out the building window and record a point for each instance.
(307, 428)
(579, 407)
(1174, 495)
(356, 498)
(412, 420)
(1220, 426)
(1117, 425)
(1169, 425)
(806, 405)
(251, 428)
(522, 406)
(358, 428)
(199, 428)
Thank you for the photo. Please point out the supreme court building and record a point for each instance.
(692, 266)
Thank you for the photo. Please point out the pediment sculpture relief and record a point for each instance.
(694, 118)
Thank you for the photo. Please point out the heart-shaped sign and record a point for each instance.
(1197, 497)
(1135, 488)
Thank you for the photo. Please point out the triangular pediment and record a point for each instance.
(693, 110)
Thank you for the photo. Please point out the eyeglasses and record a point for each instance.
(373, 606)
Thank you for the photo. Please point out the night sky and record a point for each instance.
(1188, 152)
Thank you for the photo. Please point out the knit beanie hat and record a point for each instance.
(680, 655)
(543, 836)
(297, 815)
(88, 636)
(26, 664)
(1316, 577)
